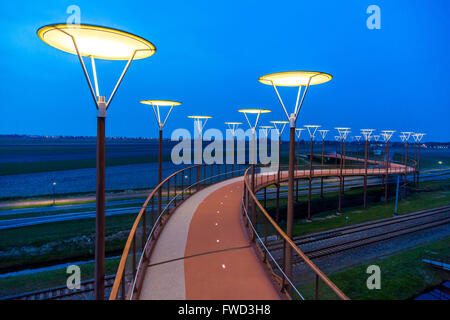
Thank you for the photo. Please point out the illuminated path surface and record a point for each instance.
(204, 251)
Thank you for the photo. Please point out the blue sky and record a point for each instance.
(211, 53)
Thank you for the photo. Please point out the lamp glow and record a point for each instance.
(96, 41)
(295, 78)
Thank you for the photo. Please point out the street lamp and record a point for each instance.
(279, 128)
(265, 130)
(402, 138)
(357, 138)
(156, 105)
(253, 126)
(343, 133)
(387, 134)
(312, 131)
(54, 192)
(300, 79)
(233, 126)
(107, 44)
(407, 135)
(298, 133)
(367, 133)
(323, 134)
(199, 125)
(418, 138)
(337, 139)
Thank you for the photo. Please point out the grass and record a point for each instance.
(17, 284)
(403, 275)
(60, 241)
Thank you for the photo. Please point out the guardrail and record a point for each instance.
(153, 216)
(258, 222)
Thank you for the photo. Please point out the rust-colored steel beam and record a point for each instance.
(290, 206)
(99, 277)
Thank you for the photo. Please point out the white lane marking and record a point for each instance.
(218, 211)
(217, 224)
(223, 266)
(217, 241)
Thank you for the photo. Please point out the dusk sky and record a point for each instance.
(210, 55)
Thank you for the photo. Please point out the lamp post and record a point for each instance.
(376, 137)
(418, 138)
(298, 132)
(407, 135)
(279, 128)
(343, 132)
(312, 131)
(265, 130)
(253, 126)
(323, 134)
(300, 79)
(156, 105)
(367, 133)
(233, 126)
(253, 160)
(54, 193)
(108, 44)
(358, 138)
(387, 134)
(199, 125)
(337, 139)
(402, 138)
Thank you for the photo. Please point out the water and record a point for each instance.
(124, 177)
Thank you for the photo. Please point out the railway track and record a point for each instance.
(410, 223)
(61, 292)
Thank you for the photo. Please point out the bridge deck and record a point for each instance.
(204, 251)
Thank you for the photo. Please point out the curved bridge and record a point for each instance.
(209, 239)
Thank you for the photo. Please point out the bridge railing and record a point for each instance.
(153, 216)
(308, 281)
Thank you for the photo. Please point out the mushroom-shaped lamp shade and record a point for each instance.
(161, 103)
(295, 78)
(254, 110)
(200, 117)
(96, 41)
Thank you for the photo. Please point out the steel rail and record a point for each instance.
(330, 234)
(305, 258)
(353, 244)
(60, 291)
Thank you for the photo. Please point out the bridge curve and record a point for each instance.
(201, 249)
